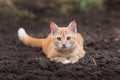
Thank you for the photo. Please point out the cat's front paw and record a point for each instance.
(66, 61)
(74, 59)
(60, 59)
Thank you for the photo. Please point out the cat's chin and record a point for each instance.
(64, 48)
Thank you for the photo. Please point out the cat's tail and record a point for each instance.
(28, 40)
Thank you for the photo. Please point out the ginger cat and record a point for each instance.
(63, 45)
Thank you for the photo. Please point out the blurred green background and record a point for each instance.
(33, 8)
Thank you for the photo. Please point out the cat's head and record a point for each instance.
(64, 38)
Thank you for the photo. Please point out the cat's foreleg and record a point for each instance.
(74, 59)
(60, 59)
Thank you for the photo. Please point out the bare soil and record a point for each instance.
(101, 32)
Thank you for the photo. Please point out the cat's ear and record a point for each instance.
(53, 27)
(72, 26)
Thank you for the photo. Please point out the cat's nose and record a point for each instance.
(64, 45)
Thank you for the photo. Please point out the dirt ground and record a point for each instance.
(101, 32)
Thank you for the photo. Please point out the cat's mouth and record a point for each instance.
(64, 47)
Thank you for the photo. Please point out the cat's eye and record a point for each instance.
(68, 38)
(58, 38)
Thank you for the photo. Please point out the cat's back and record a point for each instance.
(48, 40)
(47, 43)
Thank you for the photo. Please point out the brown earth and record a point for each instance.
(101, 32)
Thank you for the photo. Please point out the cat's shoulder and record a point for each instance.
(78, 35)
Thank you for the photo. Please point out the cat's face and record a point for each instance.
(64, 38)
